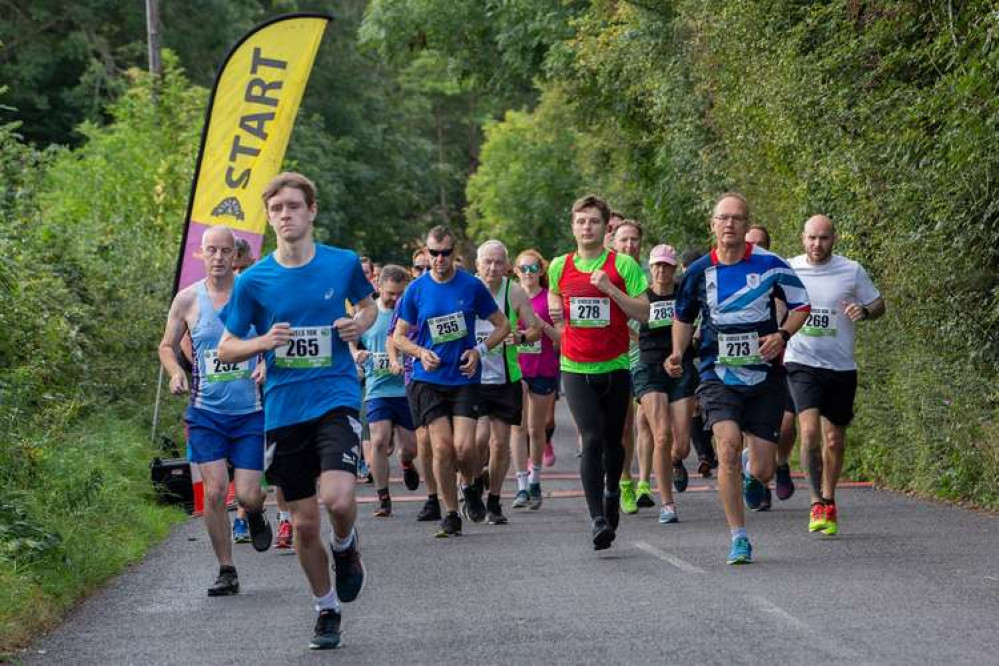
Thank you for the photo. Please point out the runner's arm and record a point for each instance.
(350, 328)
(534, 326)
(402, 342)
(871, 311)
(501, 329)
(237, 350)
(176, 326)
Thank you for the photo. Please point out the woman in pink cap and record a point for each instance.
(539, 364)
(668, 403)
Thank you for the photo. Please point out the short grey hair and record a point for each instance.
(219, 227)
(488, 245)
(393, 273)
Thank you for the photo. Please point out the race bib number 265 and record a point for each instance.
(309, 347)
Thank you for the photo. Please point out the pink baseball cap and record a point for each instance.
(663, 254)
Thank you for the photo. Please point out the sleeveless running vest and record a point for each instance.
(499, 366)
(224, 388)
(592, 344)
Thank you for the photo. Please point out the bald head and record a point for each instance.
(820, 223)
(818, 238)
(218, 236)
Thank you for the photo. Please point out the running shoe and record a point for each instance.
(285, 537)
(226, 584)
(704, 469)
(240, 531)
(327, 633)
(832, 524)
(742, 551)
(603, 533)
(384, 509)
(363, 471)
(494, 515)
(629, 502)
(535, 493)
(431, 511)
(753, 492)
(475, 508)
(817, 517)
(643, 495)
(548, 457)
(521, 500)
(450, 526)
(667, 514)
(261, 534)
(680, 476)
(410, 476)
(767, 502)
(349, 571)
(785, 486)
(612, 510)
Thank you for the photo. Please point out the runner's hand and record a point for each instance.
(674, 365)
(600, 280)
(469, 362)
(278, 336)
(178, 384)
(361, 356)
(854, 311)
(771, 346)
(395, 367)
(347, 329)
(429, 360)
(260, 372)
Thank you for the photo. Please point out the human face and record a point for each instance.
(756, 237)
(529, 271)
(627, 241)
(493, 265)
(588, 227)
(818, 239)
(219, 253)
(366, 269)
(441, 266)
(389, 293)
(420, 265)
(289, 215)
(662, 275)
(730, 221)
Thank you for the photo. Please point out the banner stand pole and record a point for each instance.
(156, 406)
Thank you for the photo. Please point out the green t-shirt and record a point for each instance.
(635, 284)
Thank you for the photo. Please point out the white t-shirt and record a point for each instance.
(827, 338)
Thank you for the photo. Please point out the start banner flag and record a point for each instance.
(250, 115)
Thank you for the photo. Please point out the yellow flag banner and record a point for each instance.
(251, 113)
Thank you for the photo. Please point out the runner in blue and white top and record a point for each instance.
(312, 396)
(734, 289)
(224, 418)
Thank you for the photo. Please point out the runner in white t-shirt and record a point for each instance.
(821, 369)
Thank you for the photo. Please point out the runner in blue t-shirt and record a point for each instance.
(224, 419)
(443, 307)
(387, 409)
(734, 289)
(312, 395)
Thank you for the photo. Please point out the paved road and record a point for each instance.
(907, 581)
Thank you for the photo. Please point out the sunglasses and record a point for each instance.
(420, 267)
(441, 253)
(530, 268)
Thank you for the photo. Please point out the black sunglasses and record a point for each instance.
(420, 267)
(441, 253)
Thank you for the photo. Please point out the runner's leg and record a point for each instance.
(728, 438)
(655, 406)
(810, 426)
(833, 448)
(215, 476)
(444, 460)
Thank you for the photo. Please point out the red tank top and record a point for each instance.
(598, 343)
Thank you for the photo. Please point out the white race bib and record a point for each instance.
(309, 347)
(380, 364)
(530, 347)
(483, 329)
(589, 312)
(217, 371)
(739, 348)
(447, 328)
(821, 322)
(661, 313)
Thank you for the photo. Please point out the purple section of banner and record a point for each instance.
(193, 265)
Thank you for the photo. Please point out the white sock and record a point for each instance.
(329, 602)
(521, 480)
(284, 516)
(535, 476)
(340, 545)
(739, 532)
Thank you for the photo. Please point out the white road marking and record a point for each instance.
(682, 565)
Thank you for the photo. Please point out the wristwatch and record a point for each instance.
(523, 338)
(866, 313)
(784, 334)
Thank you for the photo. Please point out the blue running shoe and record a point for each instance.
(742, 551)
(667, 514)
(753, 492)
(240, 531)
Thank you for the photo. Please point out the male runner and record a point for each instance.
(734, 289)
(759, 235)
(500, 393)
(592, 294)
(225, 421)
(298, 295)
(388, 415)
(821, 369)
(443, 305)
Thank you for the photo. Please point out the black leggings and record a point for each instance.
(599, 404)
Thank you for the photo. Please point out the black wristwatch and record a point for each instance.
(523, 338)
(784, 334)
(865, 311)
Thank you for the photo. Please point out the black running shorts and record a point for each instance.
(758, 409)
(502, 401)
(297, 454)
(832, 392)
(430, 401)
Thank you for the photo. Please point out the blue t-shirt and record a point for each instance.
(736, 304)
(444, 316)
(314, 372)
(380, 382)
